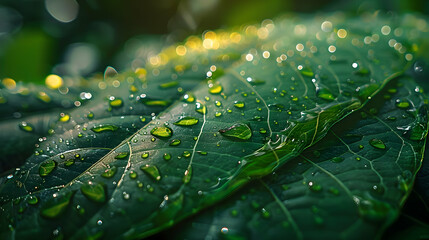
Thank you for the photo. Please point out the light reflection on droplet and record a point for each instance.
(332, 49)
(249, 57)
(326, 26)
(342, 33)
(299, 47)
(385, 30)
(266, 54)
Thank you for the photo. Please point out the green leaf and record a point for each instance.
(314, 196)
(279, 77)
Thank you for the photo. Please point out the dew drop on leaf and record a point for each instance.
(161, 132)
(47, 167)
(401, 103)
(337, 159)
(200, 108)
(377, 143)
(32, 200)
(116, 102)
(56, 205)
(122, 155)
(188, 175)
(186, 121)
(64, 117)
(26, 127)
(145, 155)
(69, 162)
(325, 94)
(215, 88)
(175, 142)
(238, 131)
(167, 156)
(169, 84)
(152, 171)
(189, 98)
(239, 104)
(109, 172)
(103, 128)
(306, 71)
(94, 191)
(133, 174)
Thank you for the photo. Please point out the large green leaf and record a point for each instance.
(292, 81)
(351, 185)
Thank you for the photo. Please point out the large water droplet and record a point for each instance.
(186, 121)
(200, 108)
(175, 142)
(47, 167)
(56, 205)
(94, 191)
(122, 155)
(103, 128)
(238, 131)
(152, 171)
(377, 143)
(109, 172)
(116, 102)
(161, 132)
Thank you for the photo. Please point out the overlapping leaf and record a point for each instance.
(293, 81)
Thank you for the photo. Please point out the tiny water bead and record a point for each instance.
(186, 154)
(115, 102)
(239, 131)
(26, 127)
(151, 171)
(104, 128)
(145, 155)
(189, 98)
(94, 191)
(47, 167)
(377, 143)
(188, 175)
(186, 121)
(162, 132)
(109, 172)
(133, 174)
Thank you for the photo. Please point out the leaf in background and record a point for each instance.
(288, 89)
(342, 187)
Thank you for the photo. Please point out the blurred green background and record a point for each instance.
(80, 37)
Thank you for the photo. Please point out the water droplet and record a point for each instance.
(69, 162)
(26, 127)
(94, 191)
(373, 210)
(377, 143)
(418, 67)
(239, 104)
(121, 155)
(186, 121)
(402, 103)
(64, 117)
(109, 172)
(189, 97)
(362, 72)
(103, 128)
(200, 108)
(56, 205)
(155, 102)
(167, 156)
(218, 114)
(152, 171)
(32, 200)
(238, 131)
(325, 94)
(262, 131)
(47, 167)
(188, 175)
(254, 81)
(162, 132)
(116, 102)
(224, 230)
(133, 175)
(175, 142)
(145, 155)
(169, 84)
(215, 88)
(186, 154)
(218, 103)
(42, 96)
(306, 71)
(202, 152)
(337, 159)
(315, 187)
